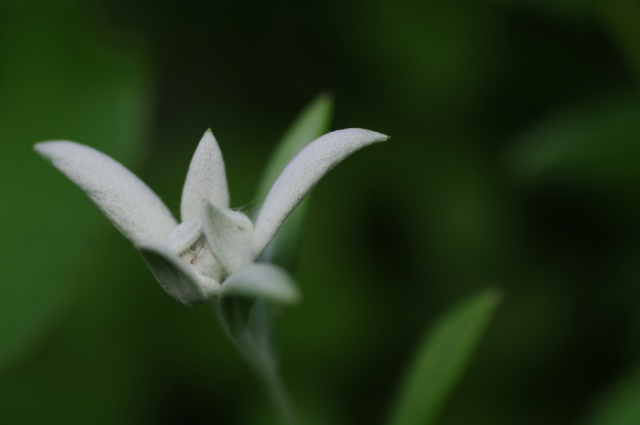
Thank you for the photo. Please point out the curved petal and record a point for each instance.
(302, 173)
(131, 206)
(206, 179)
(261, 280)
(225, 238)
(175, 277)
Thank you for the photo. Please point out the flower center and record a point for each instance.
(188, 241)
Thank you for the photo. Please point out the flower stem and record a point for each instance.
(258, 352)
(279, 396)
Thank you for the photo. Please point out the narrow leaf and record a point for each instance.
(440, 361)
(620, 405)
(302, 173)
(592, 145)
(313, 122)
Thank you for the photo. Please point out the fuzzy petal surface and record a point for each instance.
(206, 180)
(226, 238)
(175, 277)
(131, 206)
(302, 173)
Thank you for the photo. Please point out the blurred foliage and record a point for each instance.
(313, 122)
(441, 359)
(620, 406)
(515, 136)
(57, 81)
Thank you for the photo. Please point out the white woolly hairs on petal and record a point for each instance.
(206, 180)
(302, 173)
(131, 206)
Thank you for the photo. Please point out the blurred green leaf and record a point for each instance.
(440, 360)
(622, 18)
(58, 81)
(568, 9)
(312, 123)
(593, 145)
(621, 406)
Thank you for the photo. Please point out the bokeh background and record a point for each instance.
(513, 164)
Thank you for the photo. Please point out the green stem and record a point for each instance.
(279, 396)
(260, 356)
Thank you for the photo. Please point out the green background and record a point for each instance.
(514, 163)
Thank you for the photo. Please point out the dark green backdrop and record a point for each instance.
(514, 163)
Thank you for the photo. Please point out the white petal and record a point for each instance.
(184, 236)
(175, 277)
(261, 280)
(130, 205)
(302, 173)
(228, 241)
(206, 180)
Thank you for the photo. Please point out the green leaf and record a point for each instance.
(59, 80)
(622, 19)
(620, 406)
(313, 122)
(593, 146)
(441, 359)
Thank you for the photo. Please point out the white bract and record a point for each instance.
(213, 244)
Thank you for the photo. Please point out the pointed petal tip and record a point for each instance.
(360, 136)
(50, 148)
(374, 136)
(206, 179)
(302, 173)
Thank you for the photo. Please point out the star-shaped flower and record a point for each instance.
(214, 248)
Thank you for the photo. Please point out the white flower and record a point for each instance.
(213, 244)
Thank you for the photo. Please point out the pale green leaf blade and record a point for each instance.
(441, 358)
(304, 171)
(313, 121)
(620, 406)
(593, 146)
